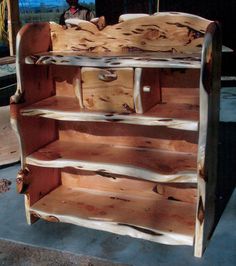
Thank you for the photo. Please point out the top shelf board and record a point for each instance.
(131, 59)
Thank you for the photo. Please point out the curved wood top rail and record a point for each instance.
(149, 164)
(163, 32)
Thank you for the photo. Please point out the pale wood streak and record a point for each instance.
(137, 90)
(121, 60)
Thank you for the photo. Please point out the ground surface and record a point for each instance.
(18, 254)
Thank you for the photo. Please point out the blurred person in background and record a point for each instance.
(76, 11)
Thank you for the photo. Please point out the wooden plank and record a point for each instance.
(189, 96)
(37, 182)
(148, 164)
(108, 90)
(179, 116)
(136, 136)
(7, 60)
(137, 90)
(32, 38)
(65, 80)
(180, 86)
(183, 192)
(125, 17)
(163, 32)
(112, 212)
(208, 139)
(13, 23)
(121, 60)
(9, 146)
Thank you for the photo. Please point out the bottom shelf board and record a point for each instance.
(151, 218)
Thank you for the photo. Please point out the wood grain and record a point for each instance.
(181, 86)
(208, 139)
(9, 146)
(139, 136)
(112, 59)
(13, 25)
(32, 38)
(164, 40)
(120, 171)
(109, 90)
(164, 32)
(179, 116)
(112, 212)
(99, 181)
(40, 182)
(149, 164)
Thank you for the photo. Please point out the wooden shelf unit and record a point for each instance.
(118, 127)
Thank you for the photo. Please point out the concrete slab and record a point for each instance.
(7, 69)
(19, 254)
(103, 245)
(228, 104)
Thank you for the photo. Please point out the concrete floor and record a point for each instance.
(18, 254)
(65, 244)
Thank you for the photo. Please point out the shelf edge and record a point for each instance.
(121, 229)
(108, 168)
(180, 124)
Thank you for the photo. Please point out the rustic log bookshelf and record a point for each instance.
(118, 127)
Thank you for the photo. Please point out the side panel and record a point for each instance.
(33, 84)
(208, 138)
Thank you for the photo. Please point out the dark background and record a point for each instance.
(223, 11)
(112, 9)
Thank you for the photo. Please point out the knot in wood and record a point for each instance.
(152, 34)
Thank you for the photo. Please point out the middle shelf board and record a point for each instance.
(172, 115)
(156, 219)
(131, 59)
(107, 160)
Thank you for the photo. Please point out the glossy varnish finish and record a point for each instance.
(117, 126)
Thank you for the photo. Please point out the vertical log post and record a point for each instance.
(158, 5)
(13, 23)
